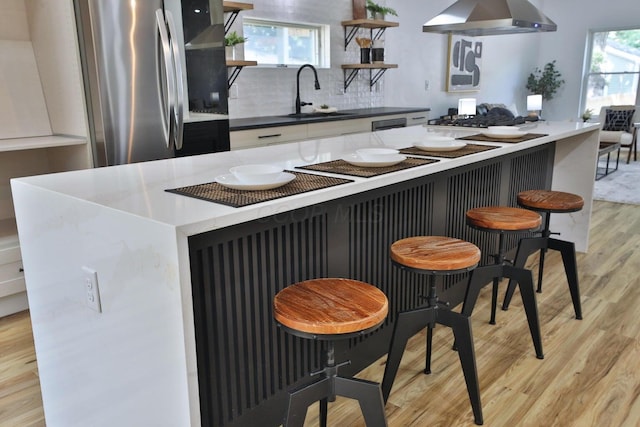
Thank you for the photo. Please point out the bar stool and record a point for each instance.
(548, 201)
(332, 309)
(503, 220)
(434, 256)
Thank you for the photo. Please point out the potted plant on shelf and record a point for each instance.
(230, 42)
(545, 82)
(379, 12)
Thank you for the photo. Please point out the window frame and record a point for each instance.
(323, 40)
(588, 74)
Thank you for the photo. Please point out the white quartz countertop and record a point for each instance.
(139, 189)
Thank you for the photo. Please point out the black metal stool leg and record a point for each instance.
(461, 326)
(324, 408)
(526, 247)
(427, 363)
(300, 399)
(568, 251)
(494, 299)
(479, 278)
(369, 396)
(543, 252)
(432, 301)
(525, 282)
(407, 325)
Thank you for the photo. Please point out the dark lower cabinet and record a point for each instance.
(204, 137)
(245, 363)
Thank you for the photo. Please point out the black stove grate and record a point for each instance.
(478, 121)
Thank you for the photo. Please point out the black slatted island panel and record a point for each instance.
(245, 363)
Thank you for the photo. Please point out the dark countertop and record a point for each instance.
(284, 120)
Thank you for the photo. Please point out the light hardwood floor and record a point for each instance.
(590, 375)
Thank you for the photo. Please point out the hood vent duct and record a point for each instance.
(490, 17)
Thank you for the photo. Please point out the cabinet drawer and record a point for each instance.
(420, 118)
(10, 287)
(337, 128)
(267, 136)
(10, 271)
(10, 254)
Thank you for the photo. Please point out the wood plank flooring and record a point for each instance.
(20, 401)
(590, 375)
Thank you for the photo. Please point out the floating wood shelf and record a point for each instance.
(351, 28)
(233, 8)
(237, 66)
(350, 72)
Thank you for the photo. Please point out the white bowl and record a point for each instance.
(498, 130)
(377, 154)
(452, 145)
(256, 174)
(436, 139)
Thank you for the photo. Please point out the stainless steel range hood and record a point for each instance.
(490, 17)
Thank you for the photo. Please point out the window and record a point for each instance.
(614, 70)
(278, 43)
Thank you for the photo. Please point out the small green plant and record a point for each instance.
(545, 82)
(376, 9)
(233, 39)
(587, 114)
(324, 106)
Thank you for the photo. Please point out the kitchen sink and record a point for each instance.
(313, 115)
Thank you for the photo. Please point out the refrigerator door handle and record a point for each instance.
(178, 106)
(169, 77)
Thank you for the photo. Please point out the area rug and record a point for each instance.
(621, 186)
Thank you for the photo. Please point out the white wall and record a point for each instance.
(507, 60)
(506, 63)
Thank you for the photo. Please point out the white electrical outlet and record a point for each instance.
(91, 289)
(426, 85)
(233, 91)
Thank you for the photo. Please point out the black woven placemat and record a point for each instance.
(485, 138)
(465, 151)
(214, 192)
(343, 167)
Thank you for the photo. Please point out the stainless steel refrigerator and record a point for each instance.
(155, 78)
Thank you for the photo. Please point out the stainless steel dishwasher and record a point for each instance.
(388, 124)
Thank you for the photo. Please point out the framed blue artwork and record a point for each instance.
(464, 64)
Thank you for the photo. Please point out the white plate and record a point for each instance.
(512, 134)
(392, 159)
(376, 154)
(325, 110)
(230, 181)
(440, 145)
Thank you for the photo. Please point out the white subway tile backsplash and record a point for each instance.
(271, 91)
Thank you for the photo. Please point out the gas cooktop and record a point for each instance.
(479, 121)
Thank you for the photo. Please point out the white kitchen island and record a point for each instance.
(142, 359)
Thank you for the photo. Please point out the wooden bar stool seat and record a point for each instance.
(330, 309)
(547, 202)
(550, 201)
(433, 256)
(504, 220)
(435, 253)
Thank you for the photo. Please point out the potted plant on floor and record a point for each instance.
(230, 42)
(379, 12)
